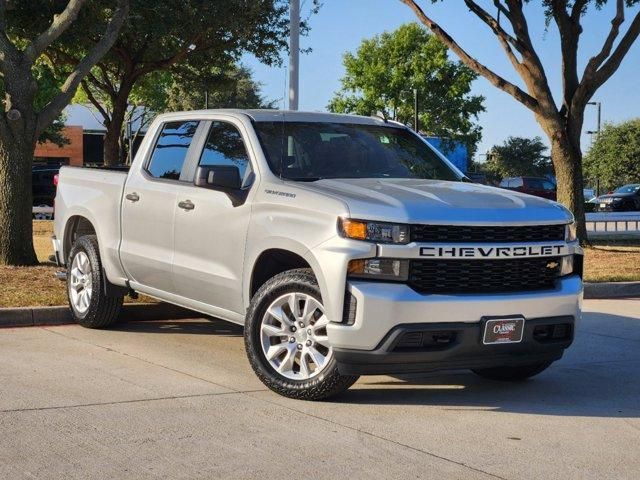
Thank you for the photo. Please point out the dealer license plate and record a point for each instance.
(503, 330)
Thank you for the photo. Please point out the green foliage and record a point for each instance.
(381, 76)
(518, 156)
(229, 87)
(614, 158)
(48, 87)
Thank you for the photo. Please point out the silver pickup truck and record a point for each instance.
(345, 245)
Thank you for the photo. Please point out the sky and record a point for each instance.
(341, 25)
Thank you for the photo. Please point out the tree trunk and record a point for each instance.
(567, 160)
(112, 146)
(16, 200)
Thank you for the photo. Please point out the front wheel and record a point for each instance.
(90, 306)
(286, 339)
(512, 374)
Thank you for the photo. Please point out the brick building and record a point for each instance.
(71, 154)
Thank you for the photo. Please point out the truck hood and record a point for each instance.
(439, 202)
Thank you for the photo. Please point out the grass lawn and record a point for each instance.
(612, 263)
(37, 286)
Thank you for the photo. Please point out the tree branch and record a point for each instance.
(51, 111)
(612, 64)
(578, 8)
(504, 38)
(570, 29)
(535, 76)
(59, 25)
(94, 101)
(595, 61)
(498, 81)
(483, 15)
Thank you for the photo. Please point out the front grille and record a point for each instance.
(483, 276)
(478, 234)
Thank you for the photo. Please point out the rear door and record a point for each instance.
(149, 204)
(210, 230)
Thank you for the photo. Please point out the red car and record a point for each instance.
(539, 187)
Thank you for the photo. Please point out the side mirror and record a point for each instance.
(218, 177)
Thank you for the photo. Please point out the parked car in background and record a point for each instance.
(624, 199)
(44, 189)
(589, 194)
(539, 187)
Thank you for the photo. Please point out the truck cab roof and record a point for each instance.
(271, 115)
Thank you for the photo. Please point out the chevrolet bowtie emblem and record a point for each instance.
(552, 265)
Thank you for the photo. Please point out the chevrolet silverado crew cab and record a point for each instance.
(345, 245)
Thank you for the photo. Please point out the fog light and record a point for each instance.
(566, 265)
(379, 268)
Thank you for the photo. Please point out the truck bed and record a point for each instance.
(96, 194)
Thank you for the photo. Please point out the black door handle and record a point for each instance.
(186, 205)
(134, 197)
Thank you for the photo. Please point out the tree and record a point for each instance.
(228, 87)
(561, 123)
(518, 156)
(161, 36)
(385, 70)
(614, 158)
(26, 116)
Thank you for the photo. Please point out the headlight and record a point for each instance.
(571, 234)
(566, 265)
(379, 269)
(374, 231)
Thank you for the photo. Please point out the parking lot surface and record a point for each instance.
(177, 399)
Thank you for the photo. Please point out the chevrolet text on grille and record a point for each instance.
(492, 252)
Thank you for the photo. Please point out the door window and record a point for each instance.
(225, 147)
(171, 149)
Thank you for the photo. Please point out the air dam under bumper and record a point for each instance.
(444, 346)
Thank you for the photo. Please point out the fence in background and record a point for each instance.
(613, 223)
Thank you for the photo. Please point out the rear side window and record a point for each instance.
(170, 150)
(225, 147)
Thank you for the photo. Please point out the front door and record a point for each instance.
(149, 205)
(210, 232)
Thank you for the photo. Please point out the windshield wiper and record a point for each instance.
(302, 179)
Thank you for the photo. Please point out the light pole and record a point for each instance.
(597, 134)
(416, 120)
(294, 53)
(599, 105)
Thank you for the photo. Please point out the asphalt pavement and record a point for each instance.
(177, 399)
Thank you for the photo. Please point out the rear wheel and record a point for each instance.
(286, 339)
(90, 306)
(512, 374)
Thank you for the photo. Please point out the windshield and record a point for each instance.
(308, 151)
(628, 189)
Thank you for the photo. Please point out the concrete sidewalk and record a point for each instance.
(177, 399)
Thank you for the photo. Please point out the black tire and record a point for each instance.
(512, 374)
(103, 310)
(327, 383)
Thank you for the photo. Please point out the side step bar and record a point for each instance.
(62, 276)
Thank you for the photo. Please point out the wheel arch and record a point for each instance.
(272, 259)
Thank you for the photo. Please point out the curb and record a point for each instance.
(132, 312)
(606, 290)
